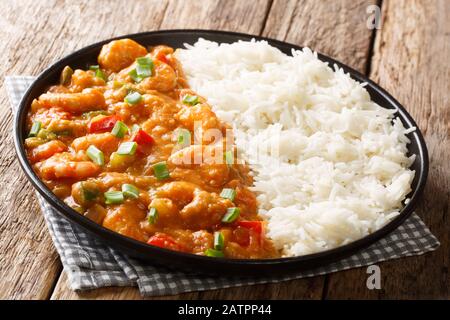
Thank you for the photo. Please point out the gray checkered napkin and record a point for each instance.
(90, 264)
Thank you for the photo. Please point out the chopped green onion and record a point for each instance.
(152, 215)
(218, 240)
(133, 98)
(127, 148)
(231, 215)
(35, 129)
(136, 78)
(214, 253)
(89, 194)
(135, 128)
(229, 157)
(228, 194)
(98, 72)
(95, 155)
(146, 61)
(190, 100)
(161, 171)
(113, 197)
(46, 134)
(119, 130)
(184, 137)
(143, 70)
(130, 191)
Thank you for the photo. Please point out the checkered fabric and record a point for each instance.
(90, 264)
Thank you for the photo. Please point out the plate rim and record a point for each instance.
(116, 239)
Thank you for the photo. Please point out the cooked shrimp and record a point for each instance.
(46, 150)
(104, 141)
(207, 161)
(199, 208)
(125, 219)
(72, 127)
(87, 100)
(203, 122)
(119, 54)
(84, 79)
(61, 165)
(165, 78)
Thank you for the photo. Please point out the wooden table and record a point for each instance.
(408, 55)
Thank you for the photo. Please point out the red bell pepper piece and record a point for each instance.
(256, 226)
(256, 229)
(142, 138)
(162, 57)
(102, 124)
(163, 240)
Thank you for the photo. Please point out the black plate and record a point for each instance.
(176, 39)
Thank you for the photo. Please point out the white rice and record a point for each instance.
(331, 165)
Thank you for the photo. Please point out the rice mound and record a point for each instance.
(331, 165)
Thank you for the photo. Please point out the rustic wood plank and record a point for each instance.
(411, 61)
(232, 15)
(335, 28)
(238, 16)
(29, 264)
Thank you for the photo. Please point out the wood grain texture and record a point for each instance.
(29, 264)
(411, 60)
(335, 28)
(338, 28)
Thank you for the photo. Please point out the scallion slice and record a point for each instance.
(98, 72)
(133, 98)
(214, 253)
(136, 78)
(135, 128)
(130, 191)
(144, 61)
(113, 197)
(127, 148)
(161, 171)
(190, 100)
(228, 194)
(184, 137)
(218, 240)
(89, 194)
(229, 157)
(231, 215)
(152, 215)
(144, 70)
(95, 155)
(35, 129)
(120, 129)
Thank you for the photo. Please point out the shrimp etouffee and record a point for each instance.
(125, 143)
